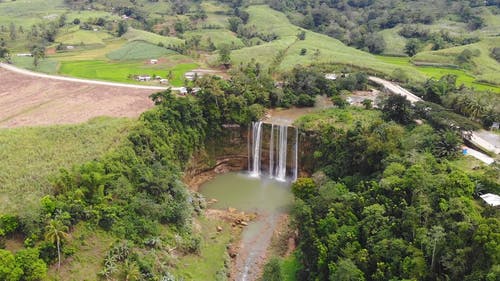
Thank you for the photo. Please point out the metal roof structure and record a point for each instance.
(491, 199)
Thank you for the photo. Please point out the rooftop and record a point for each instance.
(491, 199)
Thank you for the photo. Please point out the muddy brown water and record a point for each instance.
(267, 197)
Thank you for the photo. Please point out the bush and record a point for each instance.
(305, 101)
(272, 271)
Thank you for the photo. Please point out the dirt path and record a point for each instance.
(78, 80)
(31, 99)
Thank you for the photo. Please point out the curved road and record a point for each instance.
(78, 80)
(473, 137)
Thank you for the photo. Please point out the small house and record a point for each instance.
(331, 76)
(153, 61)
(143, 78)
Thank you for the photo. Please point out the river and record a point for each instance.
(267, 197)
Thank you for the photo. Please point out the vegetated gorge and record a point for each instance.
(282, 157)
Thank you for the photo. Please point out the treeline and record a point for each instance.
(356, 22)
(131, 192)
(385, 203)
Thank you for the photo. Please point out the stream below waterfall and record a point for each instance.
(269, 198)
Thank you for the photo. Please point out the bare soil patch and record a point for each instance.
(31, 101)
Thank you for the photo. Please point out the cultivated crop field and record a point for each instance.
(26, 101)
(30, 156)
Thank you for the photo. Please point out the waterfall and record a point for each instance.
(296, 151)
(282, 150)
(256, 148)
(278, 150)
(271, 153)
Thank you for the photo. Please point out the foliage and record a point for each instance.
(411, 218)
(272, 270)
(397, 108)
(225, 55)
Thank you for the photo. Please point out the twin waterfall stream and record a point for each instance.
(277, 152)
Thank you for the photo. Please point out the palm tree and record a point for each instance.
(130, 271)
(56, 232)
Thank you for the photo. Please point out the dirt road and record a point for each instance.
(28, 99)
(78, 80)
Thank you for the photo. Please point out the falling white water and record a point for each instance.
(282, 150)
(278, 149)
(296, 151)
(271, 153)
(256, 148)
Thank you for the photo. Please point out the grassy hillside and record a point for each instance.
(218, 36)
(153, 38)
(138, 50)
(331, 50)
(87, 37)
(29, 12)
(30, 156)
(483, 66)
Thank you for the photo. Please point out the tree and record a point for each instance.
(272, 271)
(397, 108)
(9, 269)
(304, 188)
(375, 43)
(122, 28)
(38, 53)
(225, 55)
(303, 51)
(367, 103)
(412, 47)
(234, 23)
(56, 232)
(34, 269)
(346, 270)
(130, 271)
(12, 31)
(301, 35)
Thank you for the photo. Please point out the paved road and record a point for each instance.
(480, 156)
(78, 80)
(395, 89)
(475, 138)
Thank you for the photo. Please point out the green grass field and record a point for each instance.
(83, 37)
(437, 72)
(122, 72)
(218, 36)
(485, 67)
(153, 38)
(30, 156)
(29, 12)
(138, 50)
(49, 66)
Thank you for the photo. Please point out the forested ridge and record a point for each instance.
(385, 204)
(356, 23)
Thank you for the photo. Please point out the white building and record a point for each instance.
(491, 199)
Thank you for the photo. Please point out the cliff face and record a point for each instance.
(229, 150)
(225, 152)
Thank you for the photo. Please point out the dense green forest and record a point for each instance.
(386, 203)
(357, 23)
